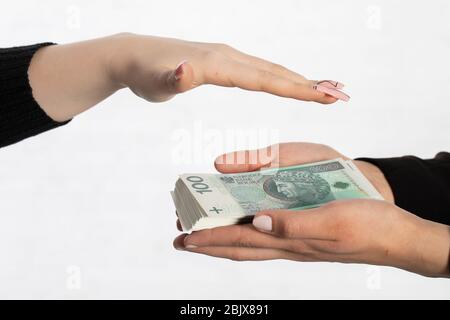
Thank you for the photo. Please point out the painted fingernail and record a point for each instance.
(179, 247)
(332, 92)
(179, 70)
(331, 84)
(188, 246)
(263, 223)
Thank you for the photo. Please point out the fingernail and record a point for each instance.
(330, 84)
(263, 223)
(179, 70)
(178, 247)
(332, 92)
(188, 246)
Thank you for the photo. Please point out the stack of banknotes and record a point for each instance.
(212, 200)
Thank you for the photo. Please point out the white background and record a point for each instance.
(85, 210)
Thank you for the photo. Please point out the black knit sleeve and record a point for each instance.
(419, 186)
(20, 115)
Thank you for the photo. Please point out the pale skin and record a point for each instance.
(352, 231)
(71, 78)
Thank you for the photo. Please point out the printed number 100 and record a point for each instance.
(198, 184)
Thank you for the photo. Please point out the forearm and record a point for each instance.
(69, 79)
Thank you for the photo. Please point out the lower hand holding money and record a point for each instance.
(352, 231)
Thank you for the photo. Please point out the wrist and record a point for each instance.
(433, 248)
(119, 62)
(415, 244)
(377, 178)
(68, 79)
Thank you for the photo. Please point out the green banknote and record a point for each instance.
(205, 200)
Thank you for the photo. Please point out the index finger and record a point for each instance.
(236, 74)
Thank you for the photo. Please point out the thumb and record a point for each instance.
(181, 79)
(162, 85)
(292, 224)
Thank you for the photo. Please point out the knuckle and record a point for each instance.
(222, 47)
(288, 229)
(263, 78)
(298, 247)
(241, 238)
(236, 256)
(207, 235)
(245, 240)
(277, 68)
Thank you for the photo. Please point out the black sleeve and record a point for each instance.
(20, 115)
(419, 186)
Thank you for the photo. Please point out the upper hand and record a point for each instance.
(157, 68)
